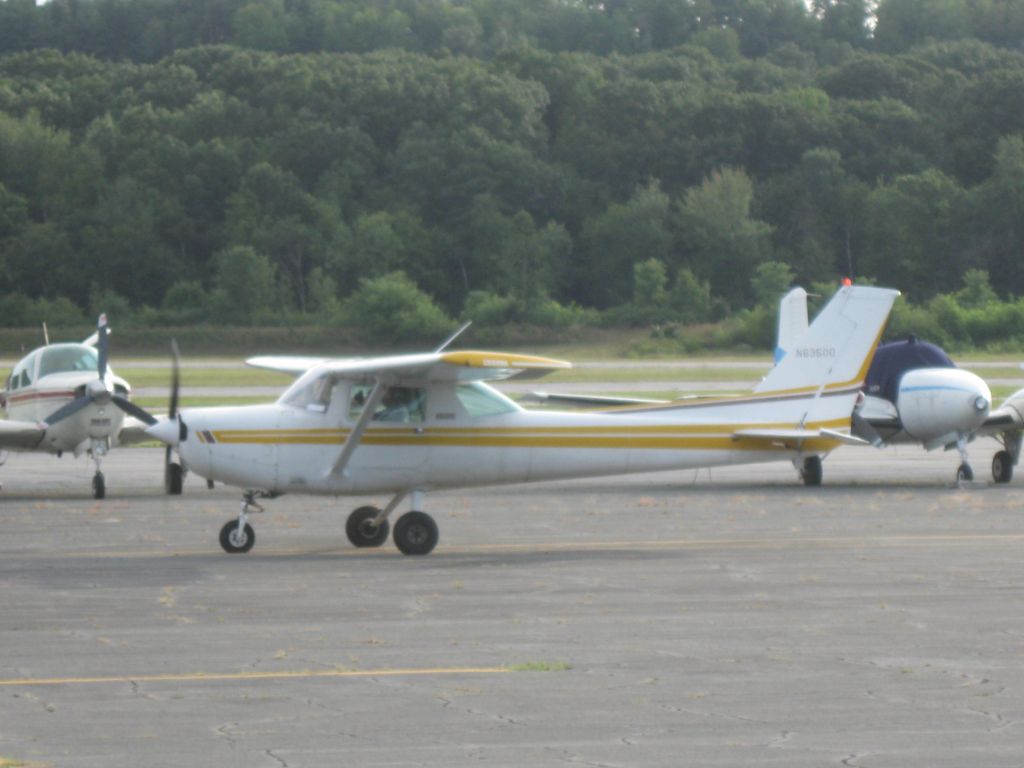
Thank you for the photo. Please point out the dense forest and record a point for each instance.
(394, 164)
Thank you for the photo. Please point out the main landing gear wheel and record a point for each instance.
(237, 542)
(415, 533)
(1002, 467)
(173, 478)
(361, 531)
(811, 472)
(964, 474)
(99, 486)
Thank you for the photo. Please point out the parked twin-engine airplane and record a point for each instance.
(914, 393)
(64, 397)
(408, 424)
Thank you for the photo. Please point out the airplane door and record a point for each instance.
(393, 450)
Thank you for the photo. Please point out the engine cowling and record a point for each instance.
(938, 404)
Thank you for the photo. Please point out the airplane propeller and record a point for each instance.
(99, 391)
(172, 470)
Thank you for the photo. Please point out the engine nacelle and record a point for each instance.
(938, 404)
(1013, 409)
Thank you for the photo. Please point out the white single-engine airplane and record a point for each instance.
(64, 397)
(408, 424)
(914, 393)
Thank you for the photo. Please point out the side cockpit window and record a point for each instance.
(401, 405)
(480, 400)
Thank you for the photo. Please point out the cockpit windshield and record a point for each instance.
(311, 391)
(60, 358)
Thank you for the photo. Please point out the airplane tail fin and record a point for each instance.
(792, 322)
(836, 350)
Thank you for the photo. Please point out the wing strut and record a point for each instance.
(376, 395)
(453, 337)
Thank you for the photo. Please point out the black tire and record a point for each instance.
(964, 474)
(812, 472)
(234, 544)
(99, 486)
(1002, 467)
(361, 533)
(415, 533)
(174, 477)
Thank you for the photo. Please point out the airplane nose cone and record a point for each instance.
(165, 430)
(982, 397)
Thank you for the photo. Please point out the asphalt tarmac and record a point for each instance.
(722, 618)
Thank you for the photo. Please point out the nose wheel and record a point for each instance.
(964, 473)
(99, 486)
(97, 450)
(237, 537)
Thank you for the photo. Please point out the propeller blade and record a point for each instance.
(70, 409)
(172, 411)
(132, 409)
(101, 344)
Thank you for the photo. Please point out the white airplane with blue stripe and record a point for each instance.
(914, 393)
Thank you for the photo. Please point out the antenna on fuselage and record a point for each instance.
(46, 335)
(453, 337)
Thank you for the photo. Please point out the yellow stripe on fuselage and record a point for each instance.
(642, 436)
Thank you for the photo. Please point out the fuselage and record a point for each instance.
(471, 435)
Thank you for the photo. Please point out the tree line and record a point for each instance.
(394, 165)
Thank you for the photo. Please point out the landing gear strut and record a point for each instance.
(964, 473)
(237, 537)
(97, 450)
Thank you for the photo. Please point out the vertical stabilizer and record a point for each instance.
(836, 350)
(792, 322)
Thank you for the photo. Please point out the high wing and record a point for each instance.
(294, 365)
(20, 435)
(433, 366)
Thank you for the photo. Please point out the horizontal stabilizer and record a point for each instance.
(789, 435)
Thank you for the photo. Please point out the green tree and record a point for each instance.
(914, 233)
(244, 287)
(392, 310)
(612, 242)
(977, 291)
(722, 241)
(771, 280)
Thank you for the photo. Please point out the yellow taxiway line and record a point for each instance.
(306, 674)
